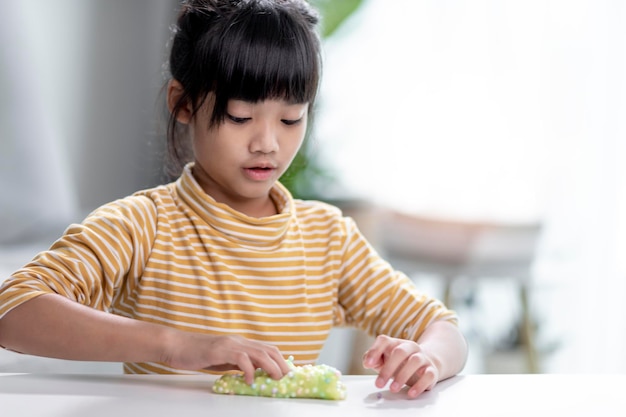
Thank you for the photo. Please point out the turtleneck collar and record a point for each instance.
(236, 226)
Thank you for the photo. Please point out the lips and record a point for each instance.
(260, 172)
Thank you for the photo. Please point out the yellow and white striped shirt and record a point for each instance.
(173, 255)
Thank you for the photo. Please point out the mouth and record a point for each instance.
(260, 173)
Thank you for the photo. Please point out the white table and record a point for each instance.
(186, 396)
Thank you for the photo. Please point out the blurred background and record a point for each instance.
(479, 145)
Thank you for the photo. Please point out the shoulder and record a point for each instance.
(311, 210)
(140, 209)
(323, 215)
(346, 211)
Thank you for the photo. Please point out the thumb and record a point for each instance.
(372, 360)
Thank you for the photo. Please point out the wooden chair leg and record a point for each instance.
(447, 292)
(528, 331)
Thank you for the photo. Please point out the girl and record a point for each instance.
(222, 269)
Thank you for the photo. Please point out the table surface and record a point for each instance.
(168, 395)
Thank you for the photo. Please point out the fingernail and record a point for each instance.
(380, 382)
(395, 386)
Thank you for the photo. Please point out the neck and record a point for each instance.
(257, 207)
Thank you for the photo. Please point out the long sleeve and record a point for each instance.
(173, 256)
(91, 260)
(379, 299)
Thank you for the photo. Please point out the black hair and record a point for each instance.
(250, 50)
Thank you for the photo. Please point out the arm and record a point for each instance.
(57, 305)
(420, 343)
(53, 326)
(439, 353)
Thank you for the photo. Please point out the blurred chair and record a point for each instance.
(456, 249)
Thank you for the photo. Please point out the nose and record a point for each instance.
(265, 139)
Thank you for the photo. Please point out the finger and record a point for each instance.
(407, 371)
(373, 357)
(427, 378)
(266, 357)
(372, 360)
(279, 359)
(274, 364)
(245, 365)
(394, 361)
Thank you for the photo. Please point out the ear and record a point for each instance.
(175, 91)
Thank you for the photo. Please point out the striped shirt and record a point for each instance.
(172, 255)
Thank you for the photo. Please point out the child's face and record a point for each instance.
(238, 161)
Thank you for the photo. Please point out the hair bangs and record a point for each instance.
(264, 59)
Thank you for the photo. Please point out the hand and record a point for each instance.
(195, 351)
(405, 362)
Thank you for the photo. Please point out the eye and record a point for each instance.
(291, 122)
(237, 120)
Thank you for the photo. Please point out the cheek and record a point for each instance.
(296, 139)
(297, 143)
(199, 147)
(205, 144)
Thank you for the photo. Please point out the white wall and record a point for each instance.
(80, 106)
(78, 111)
(498, 110)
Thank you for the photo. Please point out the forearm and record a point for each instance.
(52, 326)
(446, 346)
